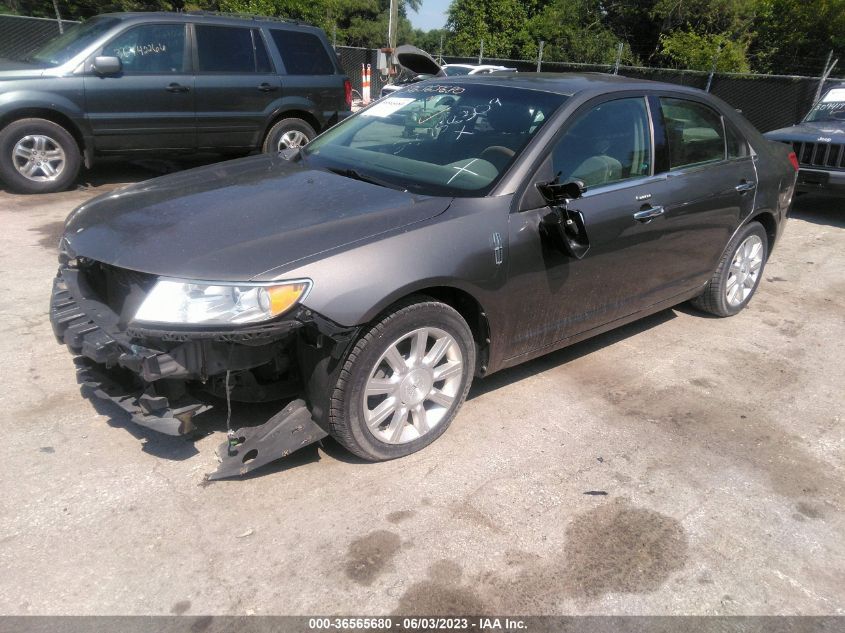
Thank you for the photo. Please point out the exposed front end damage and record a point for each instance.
(165, 379)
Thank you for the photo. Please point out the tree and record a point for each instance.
(574, 30)
(500, 23)
(794, 37)
(687, 49)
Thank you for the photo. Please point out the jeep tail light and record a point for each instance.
(794, 160)
(347, 92)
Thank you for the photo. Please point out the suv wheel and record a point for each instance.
(738, 275)
(38, 156)
(403, 382)
(287, 134)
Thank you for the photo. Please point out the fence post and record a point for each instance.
(618, 58)
(58, 16)
(713, 68)
(481, 51)
(828, 68)
(540, 55)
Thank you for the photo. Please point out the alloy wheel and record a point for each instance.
(413, 385)
(744, 270)
(291, 140)
(38, 158)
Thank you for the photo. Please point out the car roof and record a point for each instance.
(567, 84)
(204, 17)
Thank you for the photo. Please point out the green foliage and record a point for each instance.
(778, 36)
(500, 23)
(687, 49)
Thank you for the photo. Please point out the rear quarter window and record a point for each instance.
(302, 53)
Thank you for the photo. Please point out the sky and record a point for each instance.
(432, 15)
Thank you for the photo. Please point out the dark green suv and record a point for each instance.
(164, 83)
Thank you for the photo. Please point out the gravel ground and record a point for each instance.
(716, 445)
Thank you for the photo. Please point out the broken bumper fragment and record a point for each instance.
(159, 378)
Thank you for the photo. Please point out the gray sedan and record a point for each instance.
(453, 229)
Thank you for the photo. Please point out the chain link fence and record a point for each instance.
(768, 101)
(21, 36)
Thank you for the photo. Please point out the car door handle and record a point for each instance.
(265, 87)
(647, 215)
(745, 186)
(174, 87)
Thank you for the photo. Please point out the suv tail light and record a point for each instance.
(347, 92)
(794, 160)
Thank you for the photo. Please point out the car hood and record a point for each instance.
(811, 132)
(14, 69)
(417, 61)
(233, 221)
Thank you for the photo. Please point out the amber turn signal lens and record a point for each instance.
(283, 298)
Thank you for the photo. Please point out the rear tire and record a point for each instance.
(38, 156)
(287, 134)
(380, 413)
(738, 274)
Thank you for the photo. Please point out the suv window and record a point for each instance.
(230, 49)
(302, 53)
(694, 131)
(150, 48)
(610, 143)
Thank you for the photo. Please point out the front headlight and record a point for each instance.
(190, 303)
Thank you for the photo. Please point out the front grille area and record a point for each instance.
(120, 289)
(824, 155)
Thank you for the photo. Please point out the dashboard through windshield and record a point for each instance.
(437, 138)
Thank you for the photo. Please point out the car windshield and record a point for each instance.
(452, 71)
(436, 138)
(830, 108)
(61, 48)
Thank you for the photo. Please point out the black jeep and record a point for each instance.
(142, 83)
(819, 144)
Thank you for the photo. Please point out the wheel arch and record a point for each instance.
(294, 113)
(767, 219)
(462, 301)
(48, 114)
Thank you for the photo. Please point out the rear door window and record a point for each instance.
(302, 53)
(694, 131)
(151, 48)
(228, 49)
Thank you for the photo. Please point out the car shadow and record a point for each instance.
(820, 209)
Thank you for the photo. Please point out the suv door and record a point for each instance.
(149, 105)
(237, 88)
(311, 78)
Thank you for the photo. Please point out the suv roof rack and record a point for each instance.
(246, 16)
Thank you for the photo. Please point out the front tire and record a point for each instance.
(287, 134)
(738, 274)
(38, 156)
(403, 382)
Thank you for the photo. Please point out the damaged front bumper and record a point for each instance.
(161, 379)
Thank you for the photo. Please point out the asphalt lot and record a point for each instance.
(719, 444)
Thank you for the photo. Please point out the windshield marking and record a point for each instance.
(462, 132)
(462, 170)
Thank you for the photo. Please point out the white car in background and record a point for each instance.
(419, 65)
(453, 70)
